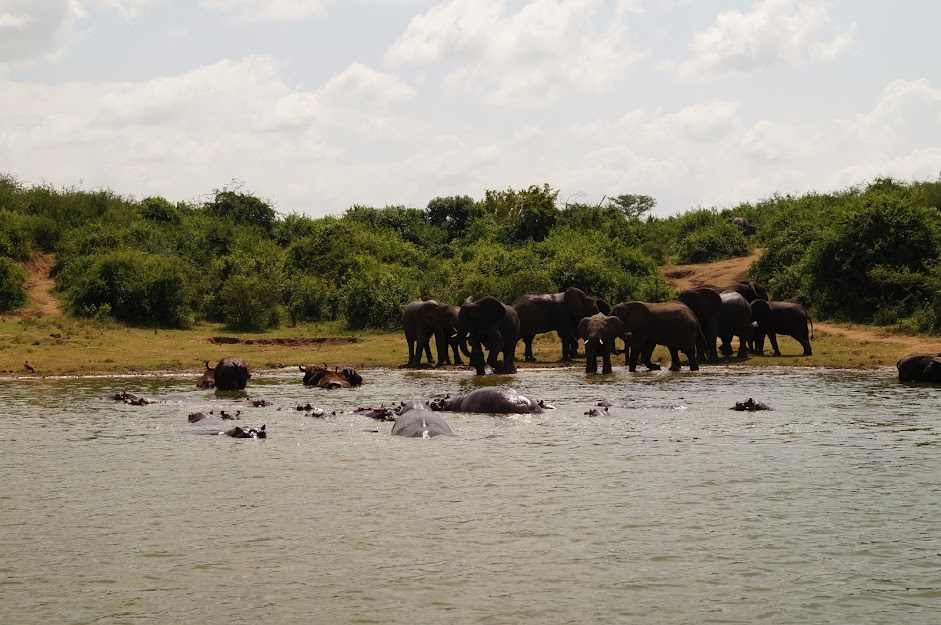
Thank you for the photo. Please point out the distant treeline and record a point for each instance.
(868, 254)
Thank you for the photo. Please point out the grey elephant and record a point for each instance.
(491, 399)
(706, 304)
(416, 419)
(599, 332)
(422, 319)
(489, 323)
(788, 318)
(229, 374)
(920, 368)
(672, 324)
(735, 320)
(750, 290)
(556, 312)
(743, 224)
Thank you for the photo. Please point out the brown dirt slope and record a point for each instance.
(39, 288)
(729, 271)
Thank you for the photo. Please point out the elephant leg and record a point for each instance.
(646, 354)
(528, 352)
(690, 352)
(773, 339)
(411, 353)
(441, 346)
(606, 362)
(494, 345)
(742, 347)
(675, 357)
(805, 343)
(457, 354)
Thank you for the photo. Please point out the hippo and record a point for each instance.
(491, 399)
(246, 432)
(750, 405)
(417, 420)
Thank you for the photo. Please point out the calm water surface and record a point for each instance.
(676, 510)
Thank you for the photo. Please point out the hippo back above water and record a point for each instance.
(417, 420)
(492, 399)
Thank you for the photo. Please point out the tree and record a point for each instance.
(633, 206)
(241, 209)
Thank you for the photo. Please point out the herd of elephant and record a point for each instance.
(691, 324)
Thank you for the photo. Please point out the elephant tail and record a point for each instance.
(811, 328)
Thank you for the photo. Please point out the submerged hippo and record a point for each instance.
(750, 405)
(417, 420)
(493, 399)
(246, 432)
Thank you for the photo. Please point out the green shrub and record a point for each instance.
(249, 303)
(375, 295)
(310, 298)
(139, 288)
(717, 241)
(12, 285)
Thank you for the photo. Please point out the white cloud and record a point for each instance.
(525, 58)
(267, 9)
(364, 86)
(129, 9)
(771, 33)
(31, 30)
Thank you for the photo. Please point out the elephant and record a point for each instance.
(749, 290)
(669, 323)
(488, 322)
(735, 320)
(599, 332)
(743, 224)
(229, 374)
(417, 420)
(322, 377)
(423, 319)
(775, 318)
(920, 368)
(706, 304)
(559, 312)
(491, 399)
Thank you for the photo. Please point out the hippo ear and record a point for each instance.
(262, 428)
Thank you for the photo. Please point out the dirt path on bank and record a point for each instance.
(732, 270)
(39, 287)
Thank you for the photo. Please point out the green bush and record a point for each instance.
(716, 241)
(249, 303)
(310, 298)
(375, 295)
(12, 285)
(140, 288)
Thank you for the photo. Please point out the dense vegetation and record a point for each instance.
(865, 254)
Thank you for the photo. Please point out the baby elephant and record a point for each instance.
(920, 368)
(599, 332)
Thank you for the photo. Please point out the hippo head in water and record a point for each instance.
(247, 432)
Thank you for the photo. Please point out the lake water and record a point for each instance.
(677, 510)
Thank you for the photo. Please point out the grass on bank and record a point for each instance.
(66, 346)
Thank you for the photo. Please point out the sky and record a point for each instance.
(319, 105)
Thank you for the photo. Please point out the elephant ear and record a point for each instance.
(577, 304)
(616, 325)
(603, 306)
(582, 330)
(633, 315)
(760, 309)
(492, 309)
